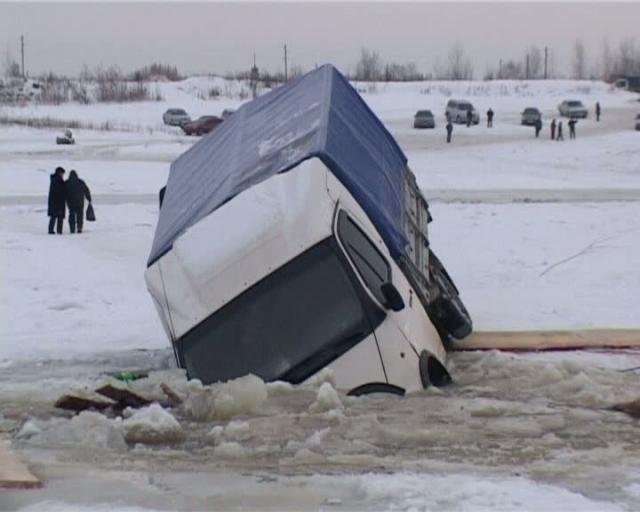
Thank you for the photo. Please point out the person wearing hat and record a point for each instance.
(57, 200)
(77, 190)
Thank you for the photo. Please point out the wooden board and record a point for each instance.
(81, 402)
(13, 472)
(122, 395)
(550, 340)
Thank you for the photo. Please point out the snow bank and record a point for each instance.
(152, 425)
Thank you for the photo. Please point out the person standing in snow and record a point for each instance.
(449, 130)
(77, 190)
(553, 129)
(572, 127)
(598, 111)
(489, 118)
(469, 117)
(57, 197)
(560, 137)
(538, 126)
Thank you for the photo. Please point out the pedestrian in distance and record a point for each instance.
(77, 190)
(538, 126)
(57, 198)
(598, 111)
(560, 137)
(469, 117)
(572, 127)
(489, 118)
(553, 129)
(449, 130)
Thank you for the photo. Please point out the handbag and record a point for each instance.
(91, 215)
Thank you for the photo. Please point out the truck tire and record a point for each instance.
(447, 312)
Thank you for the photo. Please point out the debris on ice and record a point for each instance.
(327, 399)
(230, 450)
(152, 425)
(29, 429)
(225, 400)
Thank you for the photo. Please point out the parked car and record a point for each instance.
(530, 116)
(175, 117)
(67, 138)
(227, 112)
(326, 260)
(201, 125)
(638, 122)
(457, 111)
(424, 119)
(573, 108)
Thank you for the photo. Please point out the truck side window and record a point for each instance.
(370, 263)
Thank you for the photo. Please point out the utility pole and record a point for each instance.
(526, 73)
(285, 63)
(546, 57)
(22, 52)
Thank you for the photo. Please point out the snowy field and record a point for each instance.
(537, 234)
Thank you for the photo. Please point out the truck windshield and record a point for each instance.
(286, 327)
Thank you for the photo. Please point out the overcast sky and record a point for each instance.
(221, 37)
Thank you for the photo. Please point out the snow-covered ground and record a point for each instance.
(537, 234)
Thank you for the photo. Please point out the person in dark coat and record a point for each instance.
(489, 118)
(597, 111)
(449, 130)
(538, 126)
(553, 129)
(469, 117)
(560, 137)
(77, 190)
(57, 197)
(572, 128)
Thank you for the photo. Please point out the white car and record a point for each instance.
(457, 111)
(573, 108)
(175, 117)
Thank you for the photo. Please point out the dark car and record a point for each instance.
(638, 122)
(424, 119)
(530, 116)
(201, 125)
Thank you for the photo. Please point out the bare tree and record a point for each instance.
(460, 67)
(579, 60)
(627, 62)
(11, 66)
(535, 62)
(369, 67)
(606, 69)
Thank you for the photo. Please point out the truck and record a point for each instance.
(294, 238)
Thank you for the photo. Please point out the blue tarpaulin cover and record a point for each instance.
(317, 115)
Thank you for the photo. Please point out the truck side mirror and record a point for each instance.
(393, 299)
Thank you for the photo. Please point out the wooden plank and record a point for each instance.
(81, 402)
(122, 395)
(550, 340)
(14, 474)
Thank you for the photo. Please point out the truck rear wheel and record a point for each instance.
(447, 312)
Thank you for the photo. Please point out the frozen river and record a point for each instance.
(537, 234)
(515, 431)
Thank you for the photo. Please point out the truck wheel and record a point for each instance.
(447, 312)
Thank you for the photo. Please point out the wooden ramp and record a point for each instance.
(550, 340)
(13, 472)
